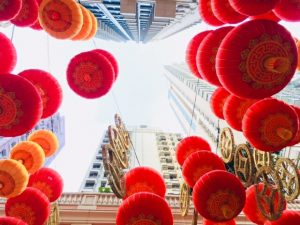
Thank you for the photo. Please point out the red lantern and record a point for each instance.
(266, 16)
(9, 9)
(208, 222)
(225, 13)
(7, 220)
(188, 146)
(206, 13)
(32, 206)
(219, 196)
(234, 110)
(198, 164)
(90, 74)
(48, 88)
(20, 105)
(37, 25)
(288, 10)
(289, 217)
(111, 59)
(8, 56)
(144, 208)
(217, 101)
(28, 14)
(206, 54)
(261, 64)
(47, 181)
(296, 139)
(254, 7)
(270, 124)
(144, 179)
(191, 52)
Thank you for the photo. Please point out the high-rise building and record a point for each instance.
(151, 147)
(142, 20)
(55, 123)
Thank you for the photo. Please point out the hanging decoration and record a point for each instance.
(189, 145)
(32, 206)
(144, 179)
(206, 13)
(28, 14)
(30, 154)
(298, 51)
(46, 139)
(48, 88)
(20, 105)
(7, 220)
(208, 222)
(13, 178)
(8, 56)
(217, 101)
(219, 196)
(90, 75)
(94, 26)
(288, 10)
(261, 64)
(191, 52)
(198, 164)
(9, 9)
(37, 25)
(288, 217)
(86, 25)
(144, 208)
(270, 124)
(296, 139)
(266, 16)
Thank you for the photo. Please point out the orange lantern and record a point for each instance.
(270, 124)
(30, 154)
(28, 14)
(219, 196)
(296, 139)
(206, 13)
(7, 220)
(208, 222)
(198, 164)
(234, 110)
(188, 146)
(9, 9)
(8, 56)
(261, 64)
(144, 208)
(46, 139)
(47, 181)
(217, 101)
(206, 54)
(266, 16)
(191, 52)
(94, 26)
(20, 105)
(144, 179)
(289, 217)
(61, 19)
(32, 206)
(86, 25)
(13, 178)
(288, 10)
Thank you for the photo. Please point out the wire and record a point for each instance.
(48, 53)
(194, 105)
(12, 33)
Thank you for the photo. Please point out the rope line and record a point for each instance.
(194, 105)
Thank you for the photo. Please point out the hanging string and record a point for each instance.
(48, 53)
(12, 33)
(194, 105)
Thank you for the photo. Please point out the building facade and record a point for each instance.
(55, 123)
(142, 20)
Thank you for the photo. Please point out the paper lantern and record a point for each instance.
(254, 7)
(90, 74)
(289, 217)
(144, 208)
(8, 56)
(61, 19)
(46, 139)
(32, 206)
(296, 139)
(36, 26)
(94, 26)
(48, 88)
(219, 196)
(266, 16)
(20, 105)
(28, 14)
(30, 154)
(9, 9)
(217, 101)
(144, 179)
(206, 13)
(298, 50)
(251, 209)
(47, 181)
(188, 146)
(13, 178)
(191, 52)
(198, 164)
(86, 25)
(208, 222)
(261, 64)
(288, 10)
(206, 54)
(225, 13)
(234, 110)
(270, 125)
(7, 220)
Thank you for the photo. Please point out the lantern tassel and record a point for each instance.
(284, 133)
(227, 212)
(277, 64)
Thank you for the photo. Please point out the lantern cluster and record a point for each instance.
(91, 74)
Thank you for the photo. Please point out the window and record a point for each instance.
(89, 184)
(3, 153)
(103, 184)
(105, 174)
(93, 174)
(96, 166)
(99, 157)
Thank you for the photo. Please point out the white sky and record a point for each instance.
(141, 90)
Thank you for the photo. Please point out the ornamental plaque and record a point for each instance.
(227, 144)
(184, 199)
(262, 158)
